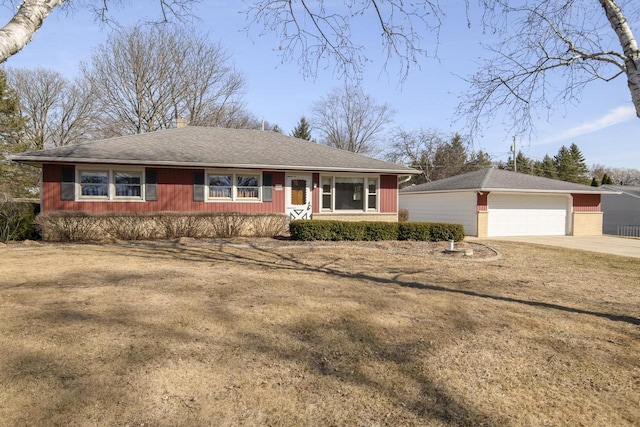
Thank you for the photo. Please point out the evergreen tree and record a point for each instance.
(606, 179)
(546, 168)
(303, 130)
(13, 180)
(570, 165)
(450, 159)
(477, 161)
(581, 169)
(594, 182)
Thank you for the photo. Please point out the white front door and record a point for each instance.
(298, 196)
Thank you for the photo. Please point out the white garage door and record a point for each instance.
(527, 215)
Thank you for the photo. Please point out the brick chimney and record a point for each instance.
(181, 123)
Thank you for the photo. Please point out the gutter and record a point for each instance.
(192, 165)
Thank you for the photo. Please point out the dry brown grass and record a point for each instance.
(205, 334)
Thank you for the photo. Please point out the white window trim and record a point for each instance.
(111, 185)
(234, 186)
(365, 203)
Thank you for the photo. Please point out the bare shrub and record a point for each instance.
(128, 226)
(68, 226)
(227, 224)
(173, 225)
(267, 225)
(403, 215)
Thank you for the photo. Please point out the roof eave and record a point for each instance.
(38, 161)
(510, 190)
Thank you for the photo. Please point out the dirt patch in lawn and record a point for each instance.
(259, 332)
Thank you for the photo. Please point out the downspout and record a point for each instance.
(407, 179)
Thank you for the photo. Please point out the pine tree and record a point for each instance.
(303, 130)
(594, 182)
(606, 179)
(546, 168)
(581, 169)
(477, 161)
(450, 159)
(13, 181)
(570, 165)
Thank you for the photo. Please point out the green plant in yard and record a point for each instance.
(16, 219)
(373, 231)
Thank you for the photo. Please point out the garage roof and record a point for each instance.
(214, 147)
(500, 180)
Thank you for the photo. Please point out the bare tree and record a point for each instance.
(416, 149)
(57, 111)
(351, 120)
(316, 31)
(144, 78)
(619, 176)
(580, 40)
(30, 15)
(543, 42)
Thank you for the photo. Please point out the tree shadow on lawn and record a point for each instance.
(314, 338)
(70, 393)
(273, 259)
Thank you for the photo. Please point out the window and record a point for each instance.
(227, 186)
(327, 193)
(128, 184)
(298, 192)
(248, 186)
(94, 184)
(220, 186)
(372, 194)
(349, 193)
(109, 184)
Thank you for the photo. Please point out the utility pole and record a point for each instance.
(515, 167)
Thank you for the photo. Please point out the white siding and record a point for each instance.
(528, 215)
(456, 208)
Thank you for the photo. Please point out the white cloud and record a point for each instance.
(613, 117)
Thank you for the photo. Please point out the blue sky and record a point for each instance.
(603, 124)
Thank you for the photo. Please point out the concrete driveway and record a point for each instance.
(604, 244)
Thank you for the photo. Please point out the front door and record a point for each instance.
(298, 194)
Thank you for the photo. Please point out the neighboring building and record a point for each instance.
(495, 202)
(621, 213)
(191, 169)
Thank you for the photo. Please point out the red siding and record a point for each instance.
(315, 194)
(482, 201)
(175, 193)
(586, 202)
(388, 194)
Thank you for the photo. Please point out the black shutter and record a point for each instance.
(198, 186)
(267, 187)
(68, 184)
(151, 184)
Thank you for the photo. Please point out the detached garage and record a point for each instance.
(495, 202)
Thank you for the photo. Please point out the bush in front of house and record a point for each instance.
(374, 231)
(16, 219)
(70, 226)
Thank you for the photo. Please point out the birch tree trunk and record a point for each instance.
(629, 47)
(19, 31)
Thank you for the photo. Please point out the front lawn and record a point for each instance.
(316, 334)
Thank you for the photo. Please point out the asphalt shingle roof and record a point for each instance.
(626, 189)
(214, 147)
(503, 180)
